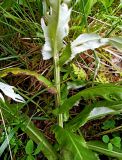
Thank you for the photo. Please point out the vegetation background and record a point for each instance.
(72, 103)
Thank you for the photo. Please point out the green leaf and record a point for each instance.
(108, 92)
(116, 42)
(39, 138)
(80, 119)
(116, 141)
(93, 111)
(109, 124)
(74, 145)
(103, 148)
(110, 146)
(66, 155)
(39, 77)
(29, 147)
(30, 157)
(38, 149)
(105, 139)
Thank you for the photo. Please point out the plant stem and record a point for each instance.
(57, 84)
(57, 67)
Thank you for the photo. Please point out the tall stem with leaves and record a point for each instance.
(56, 66)
(54, 33)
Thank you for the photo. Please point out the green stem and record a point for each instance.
(57, 69)
(57, 85)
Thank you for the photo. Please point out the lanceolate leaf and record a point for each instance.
(108, 92)
(39, 138)
(95, 110)
(74, 145)
(39, 77)
(29, 147)
(80, 119)
(56, 29)
(103, 148)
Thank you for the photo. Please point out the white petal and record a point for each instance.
(9, 91)
(85, 42)
(46, 50)
(64, 18)
(85, 38)
(61, 29)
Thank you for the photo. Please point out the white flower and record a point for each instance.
(56, 29)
